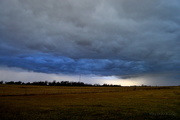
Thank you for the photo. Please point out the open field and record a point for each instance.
(23, 102)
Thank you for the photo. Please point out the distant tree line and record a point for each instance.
(54, 83)
(1, 82)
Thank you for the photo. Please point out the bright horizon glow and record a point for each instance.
(116, 81)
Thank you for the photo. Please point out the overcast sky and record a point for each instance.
(121, 38)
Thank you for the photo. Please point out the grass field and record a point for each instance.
(23, 102)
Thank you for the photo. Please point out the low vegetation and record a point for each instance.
(32, 102)
(54, 83)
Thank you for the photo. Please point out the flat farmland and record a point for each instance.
(28, 102)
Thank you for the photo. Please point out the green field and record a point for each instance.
(23, 102)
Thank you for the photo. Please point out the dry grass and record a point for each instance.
(88, 103)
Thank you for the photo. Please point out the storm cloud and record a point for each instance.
(103, 37)
(53, 64)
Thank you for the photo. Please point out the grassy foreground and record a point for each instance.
(22, 102)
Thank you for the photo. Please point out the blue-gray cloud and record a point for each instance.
(46, 63)
(53, 64)
(116, 37)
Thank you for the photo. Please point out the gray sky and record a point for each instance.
(119, 38)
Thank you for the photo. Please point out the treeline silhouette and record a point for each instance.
(54, 83)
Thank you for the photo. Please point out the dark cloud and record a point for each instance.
(116, 37)
(52, 64)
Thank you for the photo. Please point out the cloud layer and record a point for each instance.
(53, 64)
(115, 37)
